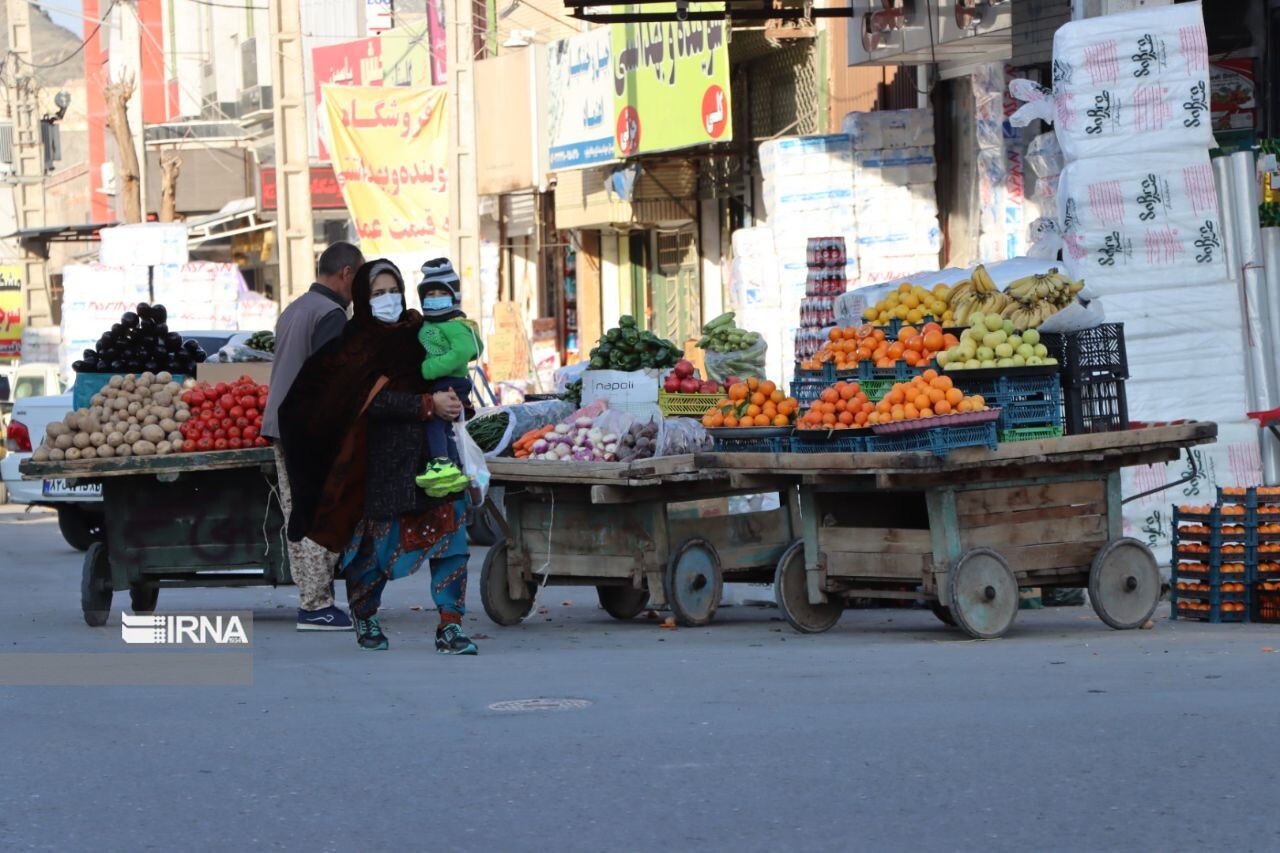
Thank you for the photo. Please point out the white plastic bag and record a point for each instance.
(473, 464)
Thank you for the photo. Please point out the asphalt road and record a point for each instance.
(889, 733)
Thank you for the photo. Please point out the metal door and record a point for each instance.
(677, 304)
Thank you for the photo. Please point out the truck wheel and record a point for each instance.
(79, 527)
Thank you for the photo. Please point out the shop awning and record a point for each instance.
(60, 233)
(235, 217)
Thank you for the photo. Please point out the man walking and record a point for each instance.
(312, 320)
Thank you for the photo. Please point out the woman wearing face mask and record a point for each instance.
(357, 413)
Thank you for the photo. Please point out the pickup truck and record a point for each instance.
(80, 508)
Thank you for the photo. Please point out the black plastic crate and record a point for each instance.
(1089, 354)
(1097, 406)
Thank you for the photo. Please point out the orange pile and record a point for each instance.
(1227, 530)
(842, 406)
(1262, 490)
(754, 403)
(1202, 607)
(847, 347)
(1188, 586)
(1202, 569)
(1226, 509)
(1193, 548)
(1270, 587)
(924, 396)
(1263, 528)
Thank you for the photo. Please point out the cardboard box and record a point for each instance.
(629, 391)
(259, 371)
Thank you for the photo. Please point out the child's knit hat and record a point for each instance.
(438, 274)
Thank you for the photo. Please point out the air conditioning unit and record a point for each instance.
(6, 146)
(254, 99)
(249, 64)
(108, 173)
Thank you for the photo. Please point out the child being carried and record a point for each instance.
(451, 343)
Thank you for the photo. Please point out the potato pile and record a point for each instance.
(131, 416)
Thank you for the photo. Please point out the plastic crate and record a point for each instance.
(1204, 612)
(752, 445)
(900, 372)
(807, 391)
(1098, 406)
(686, 405)
(1250, 497)
(1090, 354)
(1266, 604)
(1037, 433)
(1024, 401)
(875, 389)
(938, 441)
(837, 443)
(89, 384)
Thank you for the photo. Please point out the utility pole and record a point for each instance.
(293, 163)
(28, 161)
(464, 203)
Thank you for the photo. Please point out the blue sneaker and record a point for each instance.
(452, 640)
(327, 619)
(369, 635)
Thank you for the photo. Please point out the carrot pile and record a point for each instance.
(523, 445)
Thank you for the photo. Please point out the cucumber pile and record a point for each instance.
(722, 335)
(628, 348)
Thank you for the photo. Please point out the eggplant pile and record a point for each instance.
(140, 342)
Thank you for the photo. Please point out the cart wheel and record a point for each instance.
(622, 602)
(495, 595)
(1124, 584)
(95, 585)
(984, 594)
(943, 613)
(143, 596)
(693, 582)
(791, 591)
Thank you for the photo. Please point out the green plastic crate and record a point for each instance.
(1030, 433)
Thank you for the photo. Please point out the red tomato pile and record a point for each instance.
(224, 416)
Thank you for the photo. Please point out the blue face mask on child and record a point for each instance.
(437, 303)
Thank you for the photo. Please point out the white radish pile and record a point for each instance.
(578, 441)
(131, 416)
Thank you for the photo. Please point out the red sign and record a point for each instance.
(715, 113)
(325, 192)
(628, 131)
(352, 63)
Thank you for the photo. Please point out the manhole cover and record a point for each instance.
(540, 705)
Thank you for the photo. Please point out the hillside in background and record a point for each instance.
(50, 44)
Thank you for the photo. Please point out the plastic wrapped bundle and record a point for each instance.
(1126, 84)
(889, 129)
(1141, 221)
(804, 155)
(894, 167)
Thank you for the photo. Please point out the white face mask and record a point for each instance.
(386, 307)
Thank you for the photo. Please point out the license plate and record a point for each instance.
(60, 489)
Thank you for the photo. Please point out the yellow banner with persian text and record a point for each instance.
(390, 152)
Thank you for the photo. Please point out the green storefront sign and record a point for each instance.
(670, 85)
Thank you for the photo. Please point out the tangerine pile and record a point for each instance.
(1269, 587)
(1202, 607)
(1262, 528)
(848, 347)
(1202, 569)
(1227, 530)
(925, 396)
(842, 406)
(1188, 586)
(1193, 548)
(1262, 490)
(754, 403)
(1226, 509)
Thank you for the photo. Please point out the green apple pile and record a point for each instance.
(991, 341)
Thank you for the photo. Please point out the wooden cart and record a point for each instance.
(189, 519)
(966, 531)
(610, 525)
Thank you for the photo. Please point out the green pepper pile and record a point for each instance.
(628, 348)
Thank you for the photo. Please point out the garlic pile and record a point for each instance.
(131, 416)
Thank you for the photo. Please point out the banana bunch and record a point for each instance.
(977, 294)
(1036, 298)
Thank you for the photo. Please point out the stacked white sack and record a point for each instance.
(889, 129)
(1132, 82)
(753, 275)
(1141, 223)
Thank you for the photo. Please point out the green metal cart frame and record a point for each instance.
(189, 519)
(609, 525)
(967, 531)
